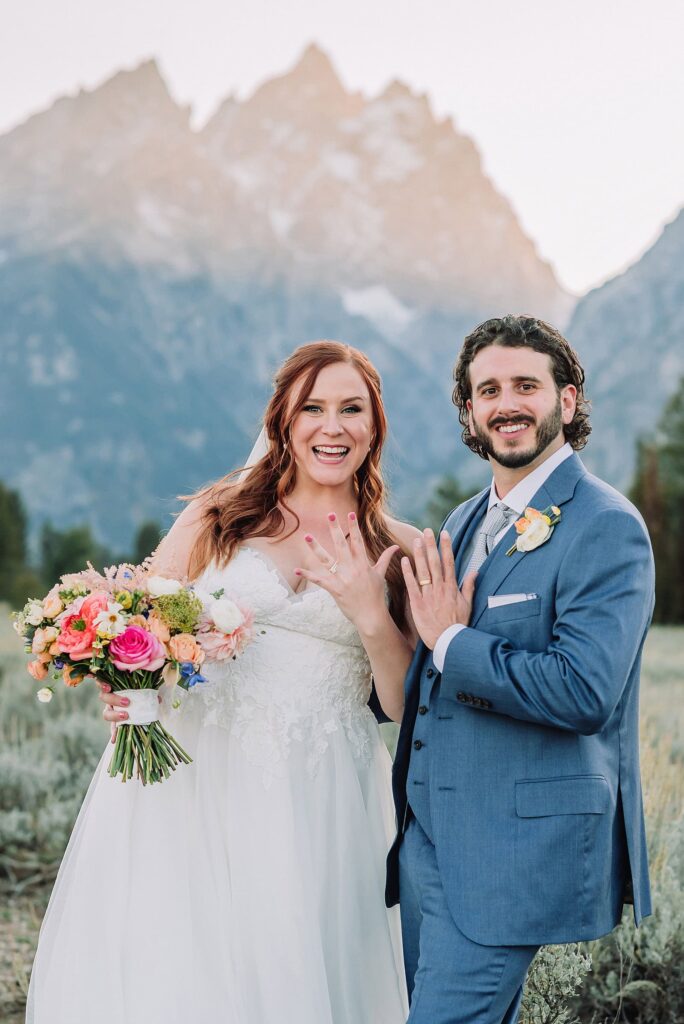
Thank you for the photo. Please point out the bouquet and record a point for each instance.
(134, 631)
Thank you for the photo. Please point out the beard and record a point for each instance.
(547, 431)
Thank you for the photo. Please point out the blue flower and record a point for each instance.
(188, 673)
(58, 663)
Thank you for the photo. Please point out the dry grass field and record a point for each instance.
(62, 741)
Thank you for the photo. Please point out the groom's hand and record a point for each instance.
(436, 601)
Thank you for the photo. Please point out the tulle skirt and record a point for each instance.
(213, 898)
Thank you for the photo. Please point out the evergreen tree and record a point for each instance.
(447, 495)
(69, 550)
(147, 538)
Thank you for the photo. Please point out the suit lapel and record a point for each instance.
(556, 490)
(466, 527)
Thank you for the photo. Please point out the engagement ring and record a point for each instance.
(333, 568)
(424, 583)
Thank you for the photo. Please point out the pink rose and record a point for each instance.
(135, 649)
(76, 638)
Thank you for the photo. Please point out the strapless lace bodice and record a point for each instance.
(305, 676)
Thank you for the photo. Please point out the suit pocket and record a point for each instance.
(571, 794)
(517, 610)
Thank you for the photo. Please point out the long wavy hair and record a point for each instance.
(234, 510)
(523, 332)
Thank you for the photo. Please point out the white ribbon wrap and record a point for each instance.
(143, 708)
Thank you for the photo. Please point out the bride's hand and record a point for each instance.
(115, 705)
(357, 584)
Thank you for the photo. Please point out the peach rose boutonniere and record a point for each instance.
(534, 529)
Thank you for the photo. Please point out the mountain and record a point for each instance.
(153, 276)
(630, 336)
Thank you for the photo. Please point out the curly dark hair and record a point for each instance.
(518, 332)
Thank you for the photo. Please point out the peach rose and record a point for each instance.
(158, 627)
(69, 678)
(52, 605)
(37, 669)
(184, 647)
(54, 650)
(139, 620)
(43, 638)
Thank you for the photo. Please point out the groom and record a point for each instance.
(516, 776)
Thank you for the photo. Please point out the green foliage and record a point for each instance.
(555, 975)
(447, 495)
(63, 551)
(181, 611)
(658, 492)
(147, 538)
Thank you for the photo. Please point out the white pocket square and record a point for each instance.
(497, 600)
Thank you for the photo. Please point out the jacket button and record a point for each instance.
(430, 673)
(422, 710)
(417, 744)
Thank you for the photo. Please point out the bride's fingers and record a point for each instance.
(323, 556)
(324, 579)
(358, 548)
(114, 700)
(338, 538)
(382, 564)
(114, 715)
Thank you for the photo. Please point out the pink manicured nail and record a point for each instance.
(125, 701)
(308, 538)
(298, 572)
(352, 515)
(332, 517)
(123, 714)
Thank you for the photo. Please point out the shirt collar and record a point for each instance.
(519, 497)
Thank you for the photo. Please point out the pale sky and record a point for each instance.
(576, 107)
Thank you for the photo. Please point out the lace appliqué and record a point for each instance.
(305, 678)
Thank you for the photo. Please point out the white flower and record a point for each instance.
(158, 586)
(33, 612)
(225, 615)
(110, 622)
(18, 623)
(45, 695)
(535, 534)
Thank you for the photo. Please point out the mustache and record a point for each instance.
(499, 421)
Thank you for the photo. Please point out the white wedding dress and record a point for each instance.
(248, 888)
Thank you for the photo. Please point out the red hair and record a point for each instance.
(234, 511)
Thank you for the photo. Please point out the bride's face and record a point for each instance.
(331, 435)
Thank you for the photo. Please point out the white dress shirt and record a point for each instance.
(518, 498)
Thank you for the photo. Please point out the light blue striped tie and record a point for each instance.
(498, 516)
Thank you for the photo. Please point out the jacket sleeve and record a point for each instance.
(603, 605)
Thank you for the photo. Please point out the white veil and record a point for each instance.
(261, 446)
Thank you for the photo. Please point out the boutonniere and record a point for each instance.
(535, 528)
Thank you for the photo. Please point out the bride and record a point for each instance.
(249, 887)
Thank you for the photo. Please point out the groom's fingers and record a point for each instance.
(447, 553)
(422, 571)
(468, 588)
(412, 587)
(434, 561)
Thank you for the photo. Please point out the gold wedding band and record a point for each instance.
(424, 583)
(333, 568)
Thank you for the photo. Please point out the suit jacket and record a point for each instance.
(534, 787)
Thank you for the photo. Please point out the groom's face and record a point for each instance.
(515, 409)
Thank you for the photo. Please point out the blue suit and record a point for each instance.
(520, 760)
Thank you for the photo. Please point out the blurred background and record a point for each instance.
(186, 195)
